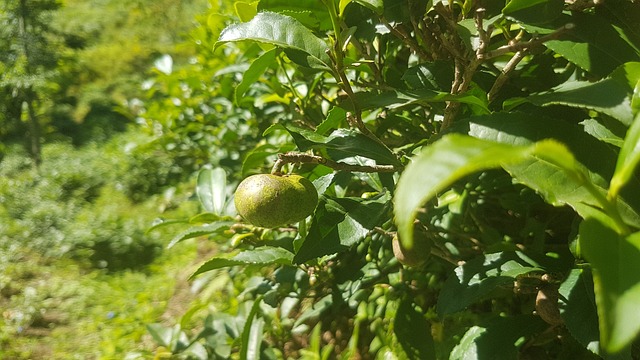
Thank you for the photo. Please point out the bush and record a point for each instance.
(504, 135)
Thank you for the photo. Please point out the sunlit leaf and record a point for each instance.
(284, 32)
(628, 159)
(253, 73)
(197, 231)
(212, 189)
(616, 276)
(252, 333)
(263, 255)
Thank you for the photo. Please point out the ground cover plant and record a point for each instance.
(476, 165)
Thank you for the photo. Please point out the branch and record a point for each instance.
(293, 157)
(518, 46)
(504, 74)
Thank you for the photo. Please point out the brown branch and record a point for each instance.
(504, 74)
(518, 46)
(294, 157)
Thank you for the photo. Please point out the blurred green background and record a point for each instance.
(82, 178)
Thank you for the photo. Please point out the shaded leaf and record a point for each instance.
(397, 98)
(593, 44)
(478, 277)
(343, 143)
(339, 223)
(497, 338)
(580, 311)
(534, 11)
(413, 332)
(438, 166)
(284, 32)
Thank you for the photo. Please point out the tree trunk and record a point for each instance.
(34, 129)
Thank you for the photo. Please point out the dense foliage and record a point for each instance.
(496, 143)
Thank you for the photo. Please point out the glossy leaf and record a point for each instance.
(397, 98)
(593, 43)
(282, 31)
(264, 255)
(212, 189)
(339, 223)
(343, 143)
(580, 311)
(311, 13)
(441, 164)
(601, 132)
(534, 11)
(253, 73)
(607, 96)
(616, 276)
(478, 277)
(628, 159)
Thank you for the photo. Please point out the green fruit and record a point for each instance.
(417, 255)
(269, 201)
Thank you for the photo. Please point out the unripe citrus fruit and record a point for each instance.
(417, 255)
(269, 201)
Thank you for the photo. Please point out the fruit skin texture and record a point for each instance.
(268, 200)
(415, 257)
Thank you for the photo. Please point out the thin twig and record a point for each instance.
(518, 46)
(294, 157)
(504, 74)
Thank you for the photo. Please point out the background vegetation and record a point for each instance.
(492, 143)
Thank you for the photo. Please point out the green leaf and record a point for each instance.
(246, 10)
(601, 132)
(580, 311)
(161, 334)
(478, 277)
(376, 6)
(339, 223)
(547, 179)
(534, 11)
(342, 143)
(594, 43)
(197, 231)
(253, 73)
(498, 338)
(413, 332)
(284, 32)
(264, 255)
(399, 98)
(311, 13)
(441, 164)
(607, 96)
(212, 189)
(252, 333)
(335, 118)
(628, 159)
(616, 276)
